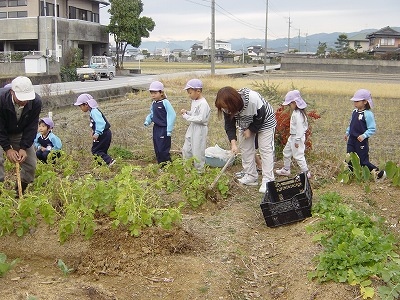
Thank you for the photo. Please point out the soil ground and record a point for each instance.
(222, 250)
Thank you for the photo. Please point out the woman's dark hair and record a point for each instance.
(230, 100)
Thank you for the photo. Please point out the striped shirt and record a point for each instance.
(257, 115)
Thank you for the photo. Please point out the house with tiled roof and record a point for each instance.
(359, 41)
(383, 41)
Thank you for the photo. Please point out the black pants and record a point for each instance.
(162, 144)
(362, 150)
(101, 146)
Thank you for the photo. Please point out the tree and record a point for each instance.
(127, 26)
(321, 51)
(342, 44)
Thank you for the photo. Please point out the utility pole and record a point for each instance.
(213, 37)
(299, 40)
(266, 39)
(55, 31)
(305, 44)
(288, 42)
(45, 30)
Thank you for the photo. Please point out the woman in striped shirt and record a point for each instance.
(247, 111)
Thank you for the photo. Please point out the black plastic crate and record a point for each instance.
(287, 201)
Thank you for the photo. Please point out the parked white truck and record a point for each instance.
(98, 67)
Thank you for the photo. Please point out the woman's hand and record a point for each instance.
(234, 147)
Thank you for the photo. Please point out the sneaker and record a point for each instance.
(283, 172)
(240, 174)
(248, 180)
(111, 163)
(381, 175)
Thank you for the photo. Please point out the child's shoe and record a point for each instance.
(283, 172)
(381, 175)
(111, 163)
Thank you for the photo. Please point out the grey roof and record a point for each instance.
(360, 36)
(386, 31)
(105, 2)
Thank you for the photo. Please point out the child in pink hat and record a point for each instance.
(362, 127)
(295, 145)
(101, 133)
(46, 141)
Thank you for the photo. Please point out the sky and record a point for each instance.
(178, 20)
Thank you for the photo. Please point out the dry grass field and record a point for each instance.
(222, 250)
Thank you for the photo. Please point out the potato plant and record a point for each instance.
(132, 197)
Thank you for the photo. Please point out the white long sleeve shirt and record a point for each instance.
(298, 124)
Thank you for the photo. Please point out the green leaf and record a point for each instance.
(368, 292)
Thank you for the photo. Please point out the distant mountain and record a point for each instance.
(309, 43)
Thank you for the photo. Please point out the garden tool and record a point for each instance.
(19, 184)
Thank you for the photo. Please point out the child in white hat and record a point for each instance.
(198, 115)
(295, 145)
(362, 127)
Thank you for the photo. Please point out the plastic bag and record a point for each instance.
(218, 152)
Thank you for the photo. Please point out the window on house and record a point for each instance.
(50, 11)
(13, 3)
(72, 12)
(95, 18)
(387, 42)
(17, 14)
(3, 15)
(3, 3)
(82, 14)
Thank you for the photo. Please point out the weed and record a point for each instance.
(64, 268)
(4, 265)
(356, 249)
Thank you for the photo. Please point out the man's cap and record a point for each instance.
(86, 98)
(363, 94)
(156, 86)
(49, 122)
(296, 97)
(194, 84)
(23, 88)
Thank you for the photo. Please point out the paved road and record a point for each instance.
(143, 81)
(137, 81)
